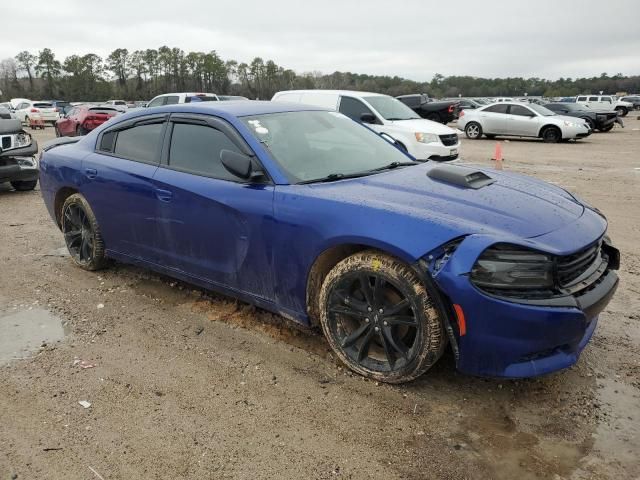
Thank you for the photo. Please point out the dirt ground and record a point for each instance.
(186, 384)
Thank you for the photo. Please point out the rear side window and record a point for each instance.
(582, 99)
(172, 100)
(520, 111)
(196, 149)
(593, 99)
(353, 108)
(500, 108)
(201, 98)
(140, 143)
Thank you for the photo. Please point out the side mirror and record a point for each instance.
(239, 164)
(368, 118)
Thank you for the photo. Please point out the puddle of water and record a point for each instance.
(24, 332)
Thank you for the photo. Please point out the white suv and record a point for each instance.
(28, 109)
(422, 139)
(185, 97)
(605, 102)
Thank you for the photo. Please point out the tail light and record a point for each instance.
(451, 108)
(55, 109)
(34, 110)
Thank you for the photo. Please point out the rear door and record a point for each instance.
(118, 185)
(212, 225)
(494, 118)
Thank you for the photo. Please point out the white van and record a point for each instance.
(423, 139)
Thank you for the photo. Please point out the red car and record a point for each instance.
(81, 119)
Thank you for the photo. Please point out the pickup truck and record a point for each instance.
(443, 111)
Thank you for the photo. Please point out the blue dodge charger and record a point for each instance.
(311, 215)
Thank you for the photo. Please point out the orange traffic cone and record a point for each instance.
(497, 156)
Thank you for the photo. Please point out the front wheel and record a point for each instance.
(551, 135)
(380, 319)
(608, 128)
(622, 111)
(82, 233)
(24, 185)
(590, 122)
(473, 130)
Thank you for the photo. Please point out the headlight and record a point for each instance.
(504, 266)
(426, 137)
(22, 140)
(573, 124)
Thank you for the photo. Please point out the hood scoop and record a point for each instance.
(464, 177)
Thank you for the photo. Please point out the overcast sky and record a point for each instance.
(410, 38)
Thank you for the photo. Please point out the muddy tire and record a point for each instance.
(380, 319)
(24, 185)
(551, 135)
(82, 233)
(473, 130)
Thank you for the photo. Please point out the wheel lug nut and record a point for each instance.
(366, 320)
(376, 328)
(380, 311)
(368, 309)
(385, 323)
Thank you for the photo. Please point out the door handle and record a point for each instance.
(164, 195)
(91, 172)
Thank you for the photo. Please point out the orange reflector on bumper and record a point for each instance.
(462, 324)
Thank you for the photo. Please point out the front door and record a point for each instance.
(211, 224)
(522, 121)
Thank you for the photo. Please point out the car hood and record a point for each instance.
(426, 126)
(514, 204)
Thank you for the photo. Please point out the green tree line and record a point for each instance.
(142, 74)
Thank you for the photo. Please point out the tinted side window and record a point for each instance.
(500, 108)
(520, 111)
(196, 149)
(593, 99)
(171, 100)
(582, 99)
(139, 143)
(353, 108)
(413, 101)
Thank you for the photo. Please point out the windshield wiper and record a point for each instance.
(392, 165)
(332, 177)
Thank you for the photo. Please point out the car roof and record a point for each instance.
(354, 93)
(235, 108)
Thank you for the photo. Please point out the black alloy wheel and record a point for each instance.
(81, 233)
(379, 319)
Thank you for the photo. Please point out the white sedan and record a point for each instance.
(37, 110)
(521, 120)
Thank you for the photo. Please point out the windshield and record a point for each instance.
(391, 108)
(201, 98)
(312, 145)
(541, 110)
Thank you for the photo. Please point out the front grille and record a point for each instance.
(449, 140)
(571, 267)
(6, 142)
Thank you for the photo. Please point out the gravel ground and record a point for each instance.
(186, 384)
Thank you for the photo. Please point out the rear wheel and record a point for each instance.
(24, 185)
(551, 135)
(380, 319)
(82, 233)
(473, 130)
